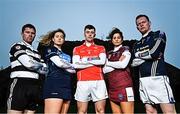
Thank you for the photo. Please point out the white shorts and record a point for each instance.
(91, 90)
(155, 90)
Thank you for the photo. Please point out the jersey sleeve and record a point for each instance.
(158, 48)
(50, 52)
(155, 48)
(17, 50)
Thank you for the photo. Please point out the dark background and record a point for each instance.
(173, 74)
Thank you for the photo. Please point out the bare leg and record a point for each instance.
(29, 112)
(100, 106)
(168, 108)
(127, 107)
(150, 109)
(14, 112)
(115, 108)
(53, 105)
(65, 107)
(82, 107)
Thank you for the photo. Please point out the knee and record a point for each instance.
(150, 109)
(100, 110)
(82, 111)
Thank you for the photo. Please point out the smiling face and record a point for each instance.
(58, 39)
(143, 25)
(28, 35)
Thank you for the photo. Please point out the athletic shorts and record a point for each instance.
(91, 90)
(123, 94)
(155, 90)
(24, 94)
(57, 88)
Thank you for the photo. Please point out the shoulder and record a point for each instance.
(126, 48)
(99, 46)
(18, 46)
(77, 48)
(158, 33)
(65, 55)
(110, 52)
(51, 50)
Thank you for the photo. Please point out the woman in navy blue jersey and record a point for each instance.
(57, 87)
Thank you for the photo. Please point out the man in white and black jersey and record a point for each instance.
(26, 65)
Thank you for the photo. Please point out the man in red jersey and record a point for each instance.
(89, 58)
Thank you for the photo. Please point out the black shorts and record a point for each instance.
(24, 94)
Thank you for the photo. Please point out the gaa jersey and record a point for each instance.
(92, 52)
(55, 71)
(119, 77)
(154, 45)
(17, 68)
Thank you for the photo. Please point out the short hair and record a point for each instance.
(89, 27)
(28, 26)
(114, 31)
(142, 15)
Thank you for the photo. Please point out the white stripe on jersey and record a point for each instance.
(15, 64)
(24, 74)
(155, 46)
(19, 52)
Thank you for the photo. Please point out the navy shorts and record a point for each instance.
(57, 88)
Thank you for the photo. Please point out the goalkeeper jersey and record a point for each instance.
(152, 49)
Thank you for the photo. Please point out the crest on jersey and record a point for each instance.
(120, 96)
(18, 47)
(49, 50)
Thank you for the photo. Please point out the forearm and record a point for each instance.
(80, 63)
(143, 54)
(60, 62)
(29, 62)
(100, 61)
(122, 62)
(137, 62)
(70, 70)
(107, 69)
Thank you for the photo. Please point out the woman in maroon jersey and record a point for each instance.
(120, 86)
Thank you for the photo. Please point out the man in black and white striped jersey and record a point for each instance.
(26, 65)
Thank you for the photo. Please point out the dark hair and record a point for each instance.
(47, 38)
(114, 31)
(89, 27)
(58, 30)
(28, 26)
(142, 15)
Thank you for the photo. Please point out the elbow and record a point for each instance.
(156, 55)
(123, 66)
(75, 66)
(30, 66)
